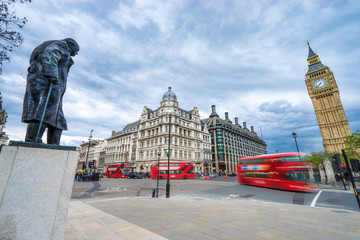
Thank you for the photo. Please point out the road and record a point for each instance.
(217, 188)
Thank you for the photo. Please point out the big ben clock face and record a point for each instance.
(320, 83)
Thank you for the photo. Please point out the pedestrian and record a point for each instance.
(80, 177)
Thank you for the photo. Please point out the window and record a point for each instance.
(292, 159)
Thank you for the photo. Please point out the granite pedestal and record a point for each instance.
(35, 188)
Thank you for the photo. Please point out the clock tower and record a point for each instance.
(325, 97)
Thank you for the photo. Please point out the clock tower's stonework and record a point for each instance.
(325, 96)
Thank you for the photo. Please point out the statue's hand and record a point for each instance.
(53, 80)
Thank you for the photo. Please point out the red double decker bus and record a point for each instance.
(285, 171)
(120, 170)
(178, 169)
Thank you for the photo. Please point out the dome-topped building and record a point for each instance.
(169, 99)
(147, 140)
(169, 94)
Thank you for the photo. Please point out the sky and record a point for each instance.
(249, 58)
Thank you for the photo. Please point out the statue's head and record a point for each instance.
(74, 47)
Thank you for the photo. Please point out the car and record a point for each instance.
(134, 175)
(101, 174)
(231, 174)
(213, 175)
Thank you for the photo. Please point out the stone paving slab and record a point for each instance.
(204, 218)
(87, 222)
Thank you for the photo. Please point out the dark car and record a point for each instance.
(231, 174)
(134, 175)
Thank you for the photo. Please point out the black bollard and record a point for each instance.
(153, 193)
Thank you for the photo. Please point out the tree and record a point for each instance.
(9, 24)
(318, 157)
(352, 145)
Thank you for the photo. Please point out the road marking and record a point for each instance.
(315, 199)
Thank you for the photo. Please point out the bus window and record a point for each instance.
(257, 174)
(292, 159)
(298, 176)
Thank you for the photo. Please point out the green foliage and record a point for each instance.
(352, 145)
(318, 157)
(9, 24)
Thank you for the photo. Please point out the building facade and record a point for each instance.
(325, 97)
(143, 142)
(229, 142)
(3, 116)
(122, 146)
(96, 150)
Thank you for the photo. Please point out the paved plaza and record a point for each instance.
(183, 217)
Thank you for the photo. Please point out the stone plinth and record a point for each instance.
(35, 191)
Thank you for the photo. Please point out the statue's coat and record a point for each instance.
(50, 59)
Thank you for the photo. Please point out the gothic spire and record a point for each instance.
(311, 52)
(314, 62)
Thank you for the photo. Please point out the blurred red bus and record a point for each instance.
(120, 170)
(178, 169)
(285, 171)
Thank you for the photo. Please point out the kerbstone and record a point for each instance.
(35, 191)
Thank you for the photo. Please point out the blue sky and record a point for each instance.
(246, 57)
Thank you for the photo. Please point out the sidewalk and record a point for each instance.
(182, 217)
(87, 222)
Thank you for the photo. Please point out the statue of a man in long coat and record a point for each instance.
(50, 63)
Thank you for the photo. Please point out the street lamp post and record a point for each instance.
(297, 147)
(168, 177)
(157, 181)
(87, 155)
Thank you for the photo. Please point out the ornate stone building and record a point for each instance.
(122, 146)
(143, 142)
(231, 141)
(96, 151)
(325, 97)
(3, 116)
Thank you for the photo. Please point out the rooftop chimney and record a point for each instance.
(244, 125)
(227, 117)
(252, 129)
(237, 122)
(213, 114)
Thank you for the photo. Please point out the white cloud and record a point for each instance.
(141, 13)
(245, 57)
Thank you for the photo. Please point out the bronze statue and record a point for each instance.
(50, 63)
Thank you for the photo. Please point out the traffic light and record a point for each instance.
(340, 166)
(355, 165)
(334, 166)
(91, 164)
